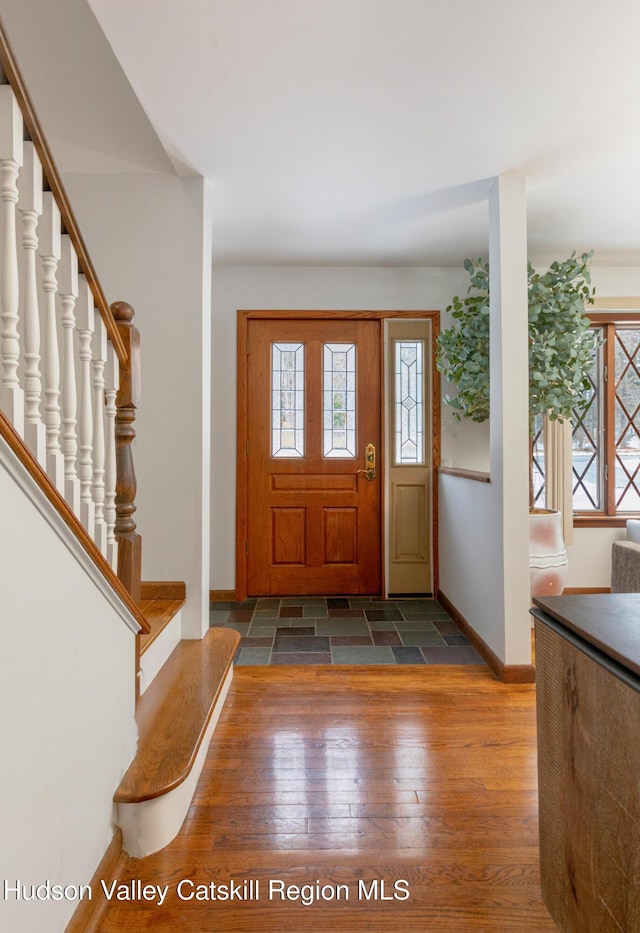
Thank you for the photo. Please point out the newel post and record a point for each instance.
(127, 403)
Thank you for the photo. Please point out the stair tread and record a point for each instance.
(158, 613)
(173, 715)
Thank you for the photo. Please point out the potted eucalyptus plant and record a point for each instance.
(561, 346)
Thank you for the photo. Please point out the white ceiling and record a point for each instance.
(368, 131)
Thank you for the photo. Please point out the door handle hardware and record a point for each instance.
(369, 463)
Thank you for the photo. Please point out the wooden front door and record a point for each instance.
(313, 406)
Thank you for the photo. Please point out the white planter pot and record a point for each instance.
(548, 561)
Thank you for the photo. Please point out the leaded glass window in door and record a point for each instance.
(287, 395)
(409, 402)
(339, 400)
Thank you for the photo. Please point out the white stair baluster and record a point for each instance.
(30, 206)
(11, 149)
(111, 390)
(98, 488)
(68, 291)
(85, 324)
(49, 250)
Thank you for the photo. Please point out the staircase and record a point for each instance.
(183, 685)
(69, 392)
(176, 717)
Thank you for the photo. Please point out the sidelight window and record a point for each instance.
(409, 402)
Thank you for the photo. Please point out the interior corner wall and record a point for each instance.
(483, 527)
(293, 287)
(149, 237)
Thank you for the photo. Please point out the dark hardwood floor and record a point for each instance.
(339, 777)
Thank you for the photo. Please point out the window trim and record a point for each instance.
(607, 518)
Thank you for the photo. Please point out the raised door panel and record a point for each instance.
(288, 538)
(340, 536)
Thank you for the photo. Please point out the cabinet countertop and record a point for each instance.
(608, 621)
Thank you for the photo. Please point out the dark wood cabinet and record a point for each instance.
(588, 705)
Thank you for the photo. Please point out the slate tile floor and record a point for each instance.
(344, 630)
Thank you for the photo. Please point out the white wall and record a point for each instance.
(615, 281)
(150, 240)
(590, 556)
(68, 728)
(300, 288)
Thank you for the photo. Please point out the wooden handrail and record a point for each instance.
(36, 472)
(52, 175)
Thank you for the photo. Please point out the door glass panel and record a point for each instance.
(409, 402)
(339, 400)
(287, 394)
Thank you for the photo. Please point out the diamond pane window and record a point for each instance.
(537, 451)
(586, 446)
(409, 401)
(339, 400)
(627, 408)
(287, 395)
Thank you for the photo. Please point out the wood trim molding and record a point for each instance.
(583, 520)
(88, 915)
(585, 590)
(316, 315)
(33, 127)
(174, 589)
(242, 466)
(436, 450)
(474, 475)
(120, 599)
(507, 673)
(219, 596)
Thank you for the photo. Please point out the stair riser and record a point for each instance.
(158, 652)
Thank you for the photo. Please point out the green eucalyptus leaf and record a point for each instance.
(561, 348)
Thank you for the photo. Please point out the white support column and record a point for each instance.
(30, 206)
(98, 487)
(509, 428)
(85, 324)
(49, 250)
(111, 390)
(68, 289)
(11, 150)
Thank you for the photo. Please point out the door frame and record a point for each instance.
(242, 493)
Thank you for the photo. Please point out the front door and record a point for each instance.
(314, 457)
